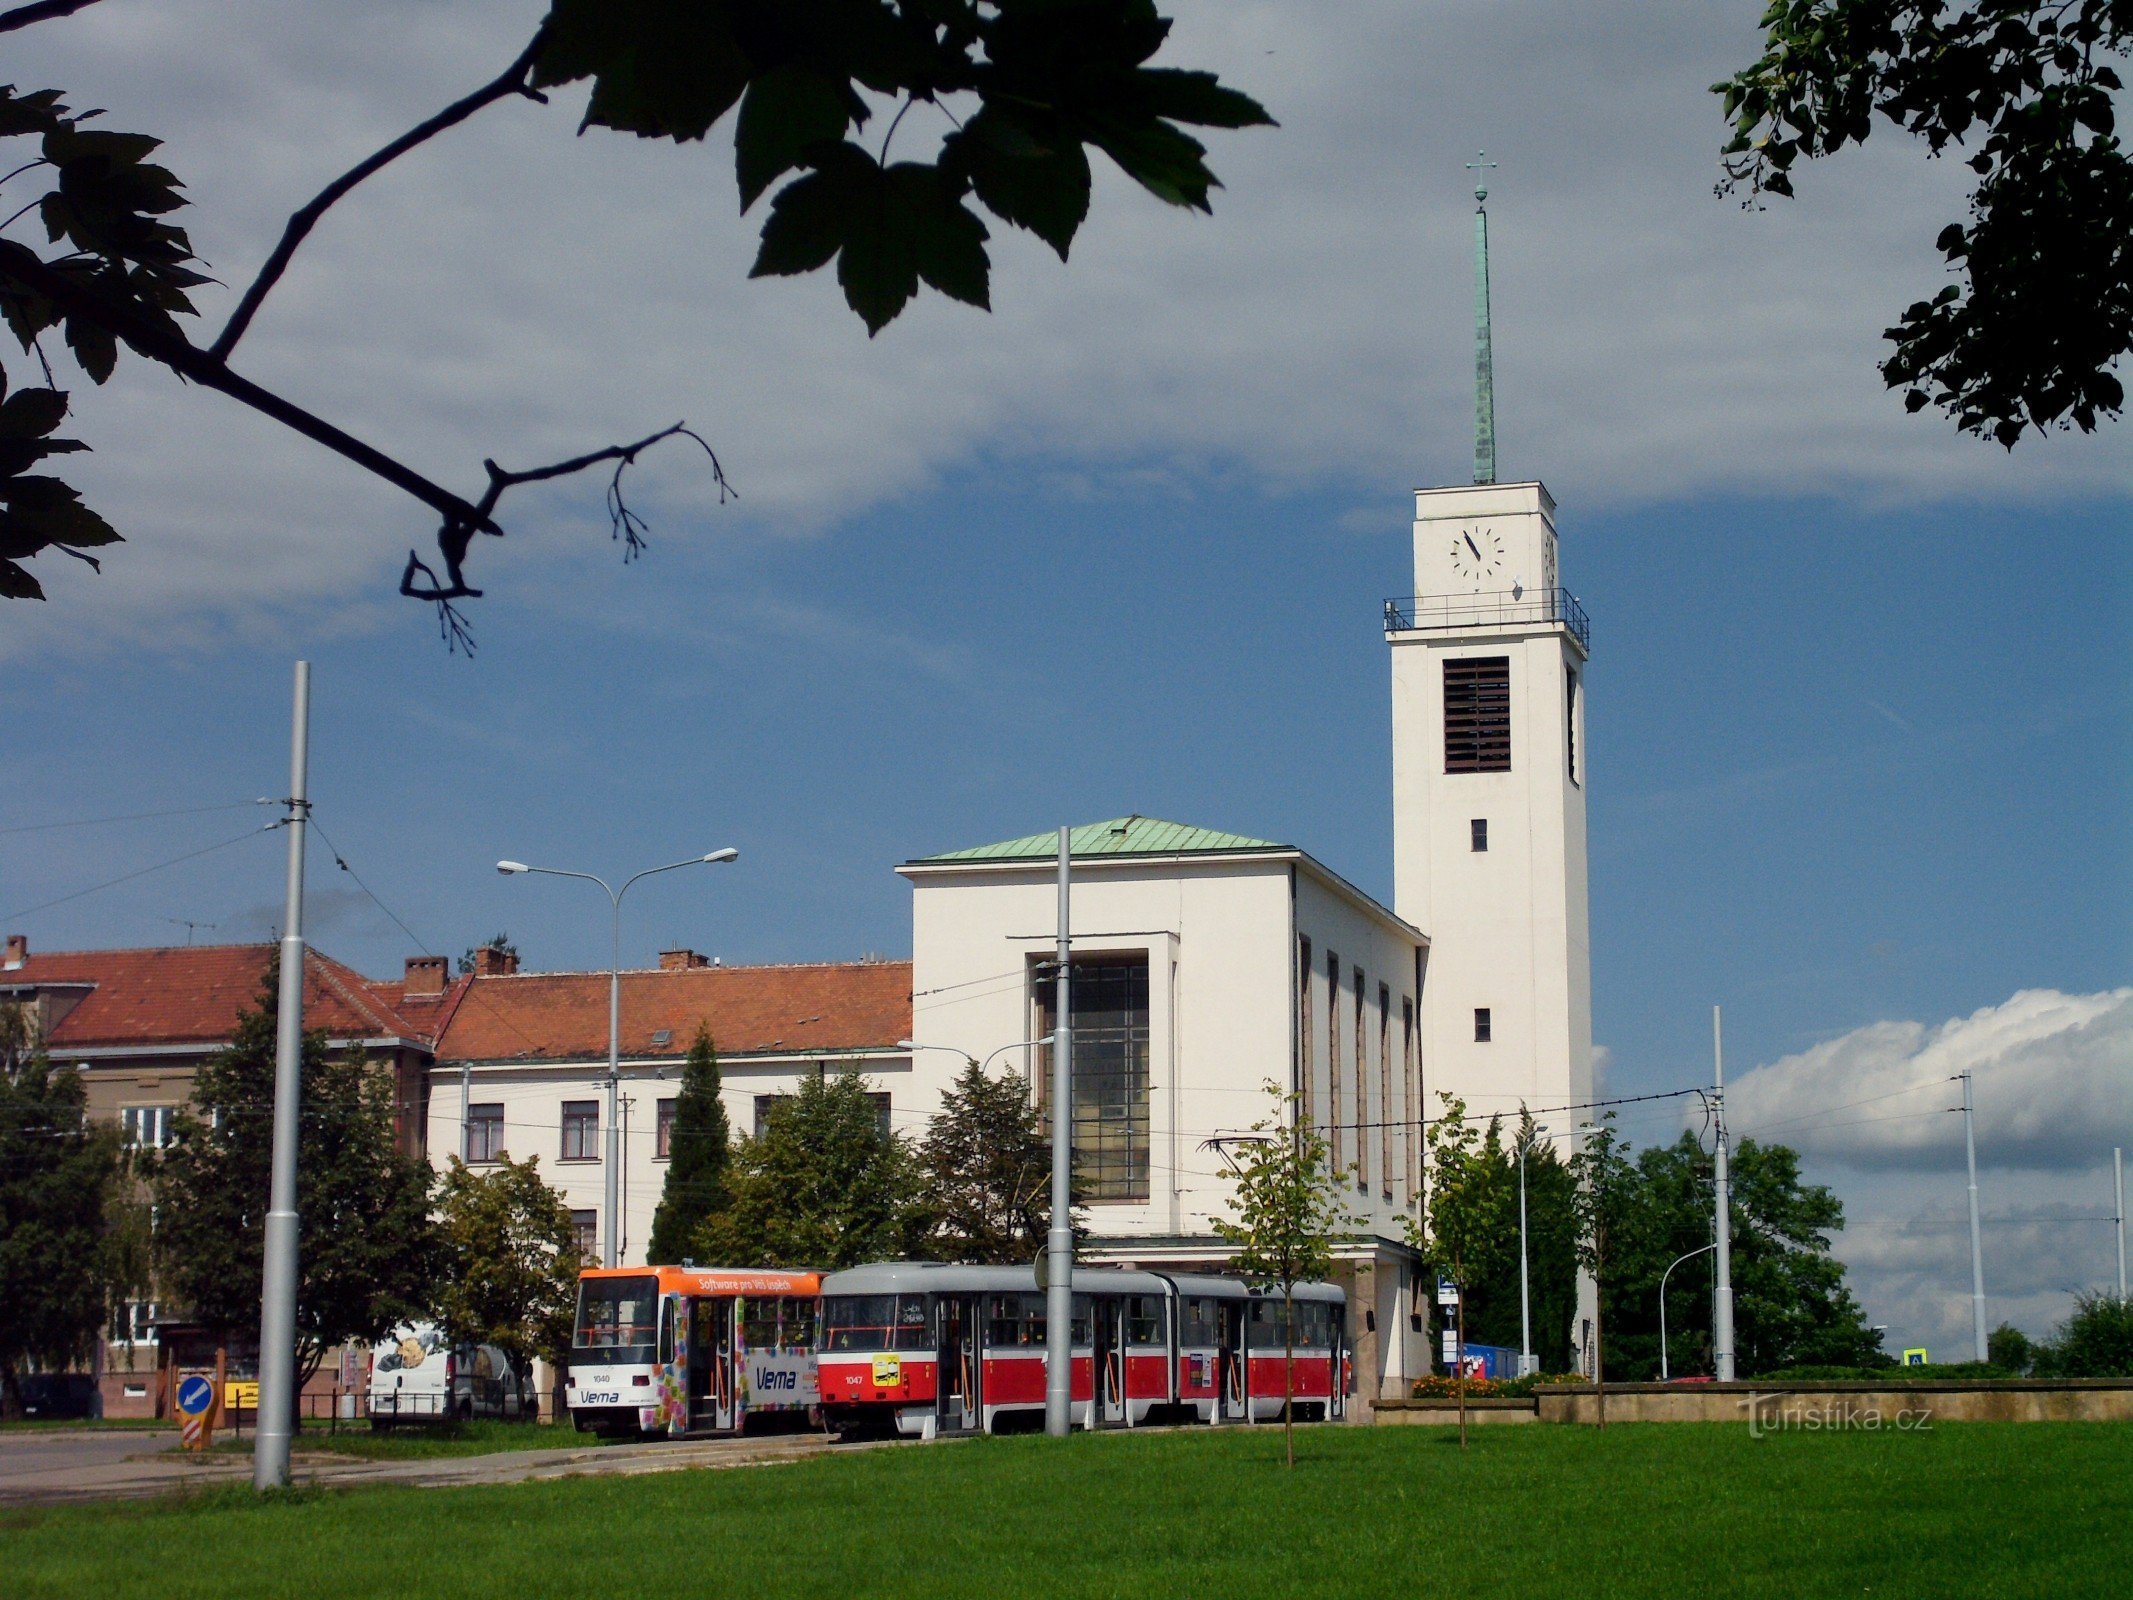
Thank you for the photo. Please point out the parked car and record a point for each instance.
(416, 1377)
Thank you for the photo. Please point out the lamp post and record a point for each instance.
(610, 1253)
(949, 1049)
(1691, 1256)
(1526, 1363)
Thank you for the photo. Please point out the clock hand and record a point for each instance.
(1469, 538)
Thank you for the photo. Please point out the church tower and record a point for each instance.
(1489, 772)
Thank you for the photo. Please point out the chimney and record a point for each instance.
(426, 977)
(490, 962)
(681, 960)
(18, 951)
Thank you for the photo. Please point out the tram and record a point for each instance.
(681, 1350)
(932, 1349)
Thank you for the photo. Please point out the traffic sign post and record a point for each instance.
(196, 1408)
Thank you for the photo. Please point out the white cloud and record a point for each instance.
(519, 291)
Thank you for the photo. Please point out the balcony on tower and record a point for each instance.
(1489, 612)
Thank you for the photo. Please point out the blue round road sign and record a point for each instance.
(195, 1394)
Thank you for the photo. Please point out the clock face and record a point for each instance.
(1477, 554)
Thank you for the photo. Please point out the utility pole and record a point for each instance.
(277, 1292)
(1977, 1249)
(1722, 1301)
(1059, 1243)
(2118, 1213)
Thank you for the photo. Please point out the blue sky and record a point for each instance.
(1861, 735)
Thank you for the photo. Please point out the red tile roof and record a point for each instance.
(191, 994)
(562, 1016)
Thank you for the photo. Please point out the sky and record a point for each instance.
(1859, 713)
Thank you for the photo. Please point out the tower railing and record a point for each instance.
(1505, 608)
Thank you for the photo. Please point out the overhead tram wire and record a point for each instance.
(134, 816)
(140, 872)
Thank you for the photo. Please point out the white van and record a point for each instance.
(416, 1377)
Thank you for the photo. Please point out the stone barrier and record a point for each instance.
(1839, 1406)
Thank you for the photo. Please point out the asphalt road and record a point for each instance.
(34, 1458)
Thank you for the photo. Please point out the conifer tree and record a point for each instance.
(986, 1168)
(697, 1157)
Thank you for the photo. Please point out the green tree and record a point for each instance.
(58, 1176)
(697, 1157)
(368, 1252)
(1602, 1183)
(1466, 1214)
(1288, 1213)
(2042, 307)
(2009, 1347)
(824, 1185)
(510, 1259)
(1015, 95)
(985, 1170)
(499, 942)
(2095, 1342)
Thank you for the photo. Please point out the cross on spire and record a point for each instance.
(1484, 357)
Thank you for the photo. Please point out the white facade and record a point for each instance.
(1236, 944)
(1510, 919)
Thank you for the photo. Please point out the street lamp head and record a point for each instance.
(507, 868)
(727, 854)
(907, 1044)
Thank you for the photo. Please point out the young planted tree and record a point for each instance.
(985, 1170)
(510, 1262)
(823, 1185)
(697, 1157)
(1288, 1213)
(367, 1256)
(1602, 1187)
(1465, 1216)
(58, 1177)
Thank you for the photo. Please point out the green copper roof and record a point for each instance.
(1122, 836)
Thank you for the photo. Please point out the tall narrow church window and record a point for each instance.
(1411, 1103)
(1306, 1038)
(1384, 1091)
(1333, 1058)
(1362, 1092)
(1107, 1008)
(1570, 717)
(1477, 714)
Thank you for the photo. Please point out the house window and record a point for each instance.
(485, 1133)
(1411, 1129)
(1305, 1084)
(1477, 714)
(581, 1130)
(1480, 828)
(1362, 1091)
(145, 1126)
(1570, 718)
(1385, 1091)
(1107, 1006)
(1481, 1025)
(134, 1322)
(881, 1112)
(1333, 1059)
(663, 1146)
(585, 1229)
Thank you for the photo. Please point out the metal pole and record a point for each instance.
(2118, 1187)
(277, 1293)
(1665, 1374)
(1722, 1303)
(1977, 1249)
(1525, 1308)
(611, 1253)
(1059, 1242)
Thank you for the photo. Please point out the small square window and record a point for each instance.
(581, 1130)
(585, 1227)
(764, 1104)
(1480, 830)
(1481, 1024)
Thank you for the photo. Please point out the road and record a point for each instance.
(76, 1465)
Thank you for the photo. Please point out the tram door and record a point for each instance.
(1108, 1314)
(712, 1390)
(961, 1369)
(1230, 1369)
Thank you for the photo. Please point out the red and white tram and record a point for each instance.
(932, 1348)
(681, 1350)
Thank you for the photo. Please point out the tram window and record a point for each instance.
(1078, 1326)
(1200, 1321)
(1144, 1319)
(759, 1323)
(618, 1314)
(1014, 1321)
(858, 1321)
(1313, 1325)
(797, 1314)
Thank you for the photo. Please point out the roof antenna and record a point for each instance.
(1484, 357)
(189, 925)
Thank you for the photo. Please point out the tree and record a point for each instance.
(1601, 1183)
(368, 1255)
(499, 942)
(1288, 1212)
(1466, 1214)
(2042, 309)
(1018, 93)
(58, 1174)
(2095, 1342)
(823, 1185)
(2008, 1347)
(510, 1259)
(697, 1157)
(985, 1170)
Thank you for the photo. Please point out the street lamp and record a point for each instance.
(610, 1253)
(1691, 1256)
(1526, 1363)
(949, 1049)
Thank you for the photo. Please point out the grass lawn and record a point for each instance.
(359, 1439)
(86, 1424)
(1661, 1510)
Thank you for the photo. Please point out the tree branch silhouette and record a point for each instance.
(42, 11)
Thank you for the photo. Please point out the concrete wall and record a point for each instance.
(1822, 1407)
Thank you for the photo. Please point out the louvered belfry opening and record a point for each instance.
(1477, 714)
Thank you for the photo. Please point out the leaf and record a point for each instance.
(806, 225)
(1199, 97)
(664, 69)
(1032, 177)
(93, 347)
(32, 413)
(947, 240)
(785, 114)
(17, 584)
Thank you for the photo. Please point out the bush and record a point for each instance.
(2008, 1346)
(2095, 1342)
(1938, 1372)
